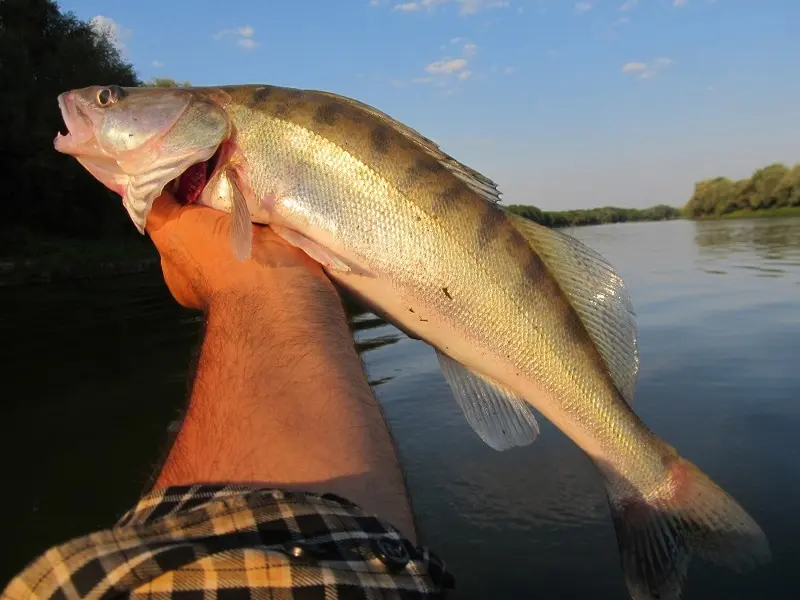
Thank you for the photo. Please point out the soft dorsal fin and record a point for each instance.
(501, 419)
(477, 182)
(598, 295)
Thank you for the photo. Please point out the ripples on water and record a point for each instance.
(718, 307)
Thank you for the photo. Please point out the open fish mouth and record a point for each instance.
(76, 137)
(77, 129)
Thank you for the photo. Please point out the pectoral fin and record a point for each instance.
(500, 417)
(241, 225)
(222, 190)
(319, 253)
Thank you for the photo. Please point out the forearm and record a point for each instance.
(280, 398)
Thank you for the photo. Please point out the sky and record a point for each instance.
(564, 104)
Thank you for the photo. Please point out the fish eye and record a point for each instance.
(110, 95)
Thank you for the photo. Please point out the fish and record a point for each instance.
(523, 319)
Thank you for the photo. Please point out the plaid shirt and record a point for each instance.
(222, 542)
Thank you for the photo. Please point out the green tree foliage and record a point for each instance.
(773, 186)
(166, 82)
(44, 52)
(787, 192)
(594, 216)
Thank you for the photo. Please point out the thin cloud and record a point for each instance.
(582, 7)
(679, 3)
(465, 7)
(634, 67)
(116, 35)
(242, 35)
(628, 5)
(644, 70)
(446, 71)
(446, 66)
(157, 64)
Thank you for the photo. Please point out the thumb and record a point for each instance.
(165, 208)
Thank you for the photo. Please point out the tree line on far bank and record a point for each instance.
(775, 186)
(595, 216)
(770, 187)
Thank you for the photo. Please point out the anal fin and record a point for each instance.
(501, 419)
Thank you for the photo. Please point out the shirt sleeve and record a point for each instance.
(232, 541)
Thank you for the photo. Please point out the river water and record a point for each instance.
(93, 373)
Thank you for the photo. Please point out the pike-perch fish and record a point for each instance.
(521, 316)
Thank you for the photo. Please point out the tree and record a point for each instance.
(45, 52)
(772, 186)
(764, 181)
(787, 192)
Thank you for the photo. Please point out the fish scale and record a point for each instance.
(520, 316)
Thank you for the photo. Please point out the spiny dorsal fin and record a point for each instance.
(598, 295)
(499, 417)
(477, 182)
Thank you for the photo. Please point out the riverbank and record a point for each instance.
(766, 213)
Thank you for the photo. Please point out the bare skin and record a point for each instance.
(280, 397)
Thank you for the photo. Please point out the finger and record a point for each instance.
(164, 209)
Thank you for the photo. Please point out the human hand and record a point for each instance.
(198, 263)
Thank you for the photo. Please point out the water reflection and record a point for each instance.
(766, 247)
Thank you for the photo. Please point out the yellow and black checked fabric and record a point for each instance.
(227, 542)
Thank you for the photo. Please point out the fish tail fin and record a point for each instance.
(691, 515)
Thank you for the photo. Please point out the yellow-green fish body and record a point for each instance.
(519, 315)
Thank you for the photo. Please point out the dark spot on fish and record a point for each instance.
(261, 94)
(380, 140)
(534, 268)
(446, 293)
(517, 242)
(447, 198)
(493, 219)
(327, 114)
(423, 320)
(425, 166)
(411, 310)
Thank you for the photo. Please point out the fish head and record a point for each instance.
(137, 141)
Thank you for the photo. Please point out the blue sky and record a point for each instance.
(565, 104)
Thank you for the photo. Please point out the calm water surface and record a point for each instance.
(94, 372)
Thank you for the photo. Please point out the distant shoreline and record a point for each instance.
(764, 213)
(41, 261)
